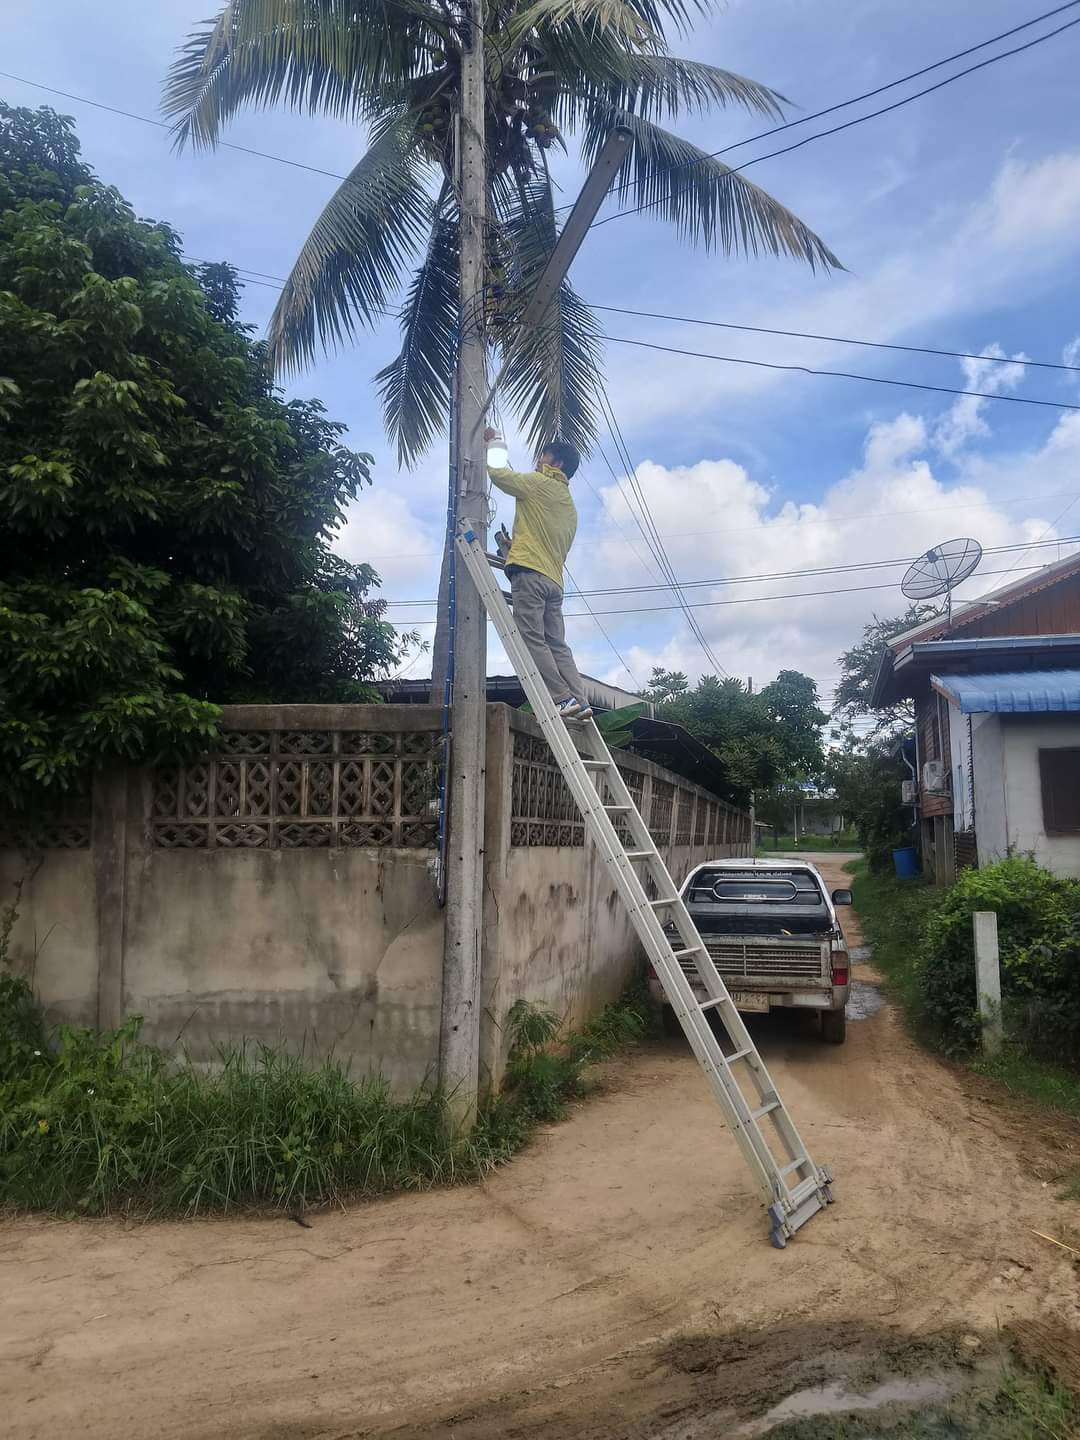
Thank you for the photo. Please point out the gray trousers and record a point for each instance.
(537, 603)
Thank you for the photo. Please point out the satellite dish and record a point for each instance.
(941, 569)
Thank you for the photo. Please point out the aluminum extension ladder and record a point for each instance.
(793, 1187)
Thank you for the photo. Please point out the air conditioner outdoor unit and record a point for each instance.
(933, 776)
(909, 792)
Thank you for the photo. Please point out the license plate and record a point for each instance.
(749, 1000)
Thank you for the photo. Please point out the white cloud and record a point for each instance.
(965, 421)
(953, 263)
(1071, 353)
(718, 521)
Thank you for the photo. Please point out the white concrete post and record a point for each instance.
(988, 978)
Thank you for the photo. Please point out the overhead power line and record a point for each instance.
(164, 125)
(656, 544)
(745, 600)
(857, 99)
(835, 339)
(801, 335)
(839, 374)
(855, 566)
(862, 119)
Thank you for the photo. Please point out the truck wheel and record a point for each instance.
(833, 1026)
(670, 1022)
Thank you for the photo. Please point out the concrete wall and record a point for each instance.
(555, 929)
(988, 765)
(1024, 736)
(1008, 788)
(249, 894)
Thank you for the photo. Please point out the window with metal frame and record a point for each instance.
(1059, 776)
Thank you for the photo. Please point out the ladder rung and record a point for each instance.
(618, 807)
(795, 1165)
(659, 904)
(711, 1005)
(739, 1054)
(766, 1109)
(640, 854)
(682, 954)
(598, 765)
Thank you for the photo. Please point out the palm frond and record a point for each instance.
(373, 223)
(703, 198)
(327, 56)
(621, 17)
(553, 375)
(415, 387)
(655, 85)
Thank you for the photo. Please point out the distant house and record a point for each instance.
(997, 724)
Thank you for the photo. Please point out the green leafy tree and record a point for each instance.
(859, 666)
(555, 69)
(866, 780)
(165, 517)
(737, 726)
(792, 701)
(666, 685)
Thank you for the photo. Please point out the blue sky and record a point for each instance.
(958, 218)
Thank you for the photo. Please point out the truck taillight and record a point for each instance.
(839, 974)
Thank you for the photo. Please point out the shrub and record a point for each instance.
(1039, 937)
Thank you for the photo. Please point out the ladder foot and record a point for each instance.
(777, 1236)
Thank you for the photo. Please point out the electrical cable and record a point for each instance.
(855, 567)
(852, 567)
(164, 125)
(611, 643)
(840, 374)
(658, 547)
(836, 339)
(848, 124)
(812, 370)
(746, 599)
(866, 95)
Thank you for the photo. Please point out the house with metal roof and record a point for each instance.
(997, 723)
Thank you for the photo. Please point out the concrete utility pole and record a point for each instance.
(459, 1034)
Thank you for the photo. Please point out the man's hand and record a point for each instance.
(502, 542)
(489, 435)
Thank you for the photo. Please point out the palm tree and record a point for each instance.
(556, 68)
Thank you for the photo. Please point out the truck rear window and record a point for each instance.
(795, 887)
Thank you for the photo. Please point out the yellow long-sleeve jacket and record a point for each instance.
(545, 518)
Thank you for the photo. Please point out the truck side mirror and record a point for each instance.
(841, 897)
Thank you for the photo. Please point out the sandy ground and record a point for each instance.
(614, 1280)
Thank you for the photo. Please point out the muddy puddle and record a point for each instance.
(822, 1401)
(863, 1000)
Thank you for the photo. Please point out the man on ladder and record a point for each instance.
(545, 523)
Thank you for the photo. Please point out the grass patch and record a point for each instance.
(92, 1124)
(1024, 1406)
(893, 914)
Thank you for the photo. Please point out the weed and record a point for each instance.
(98, 1123)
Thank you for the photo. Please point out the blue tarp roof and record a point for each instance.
(1017, 692)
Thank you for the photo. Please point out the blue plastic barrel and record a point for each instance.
(906, 862)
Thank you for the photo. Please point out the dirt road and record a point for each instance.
(614, 1280)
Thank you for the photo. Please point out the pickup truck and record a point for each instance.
(771, 929)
